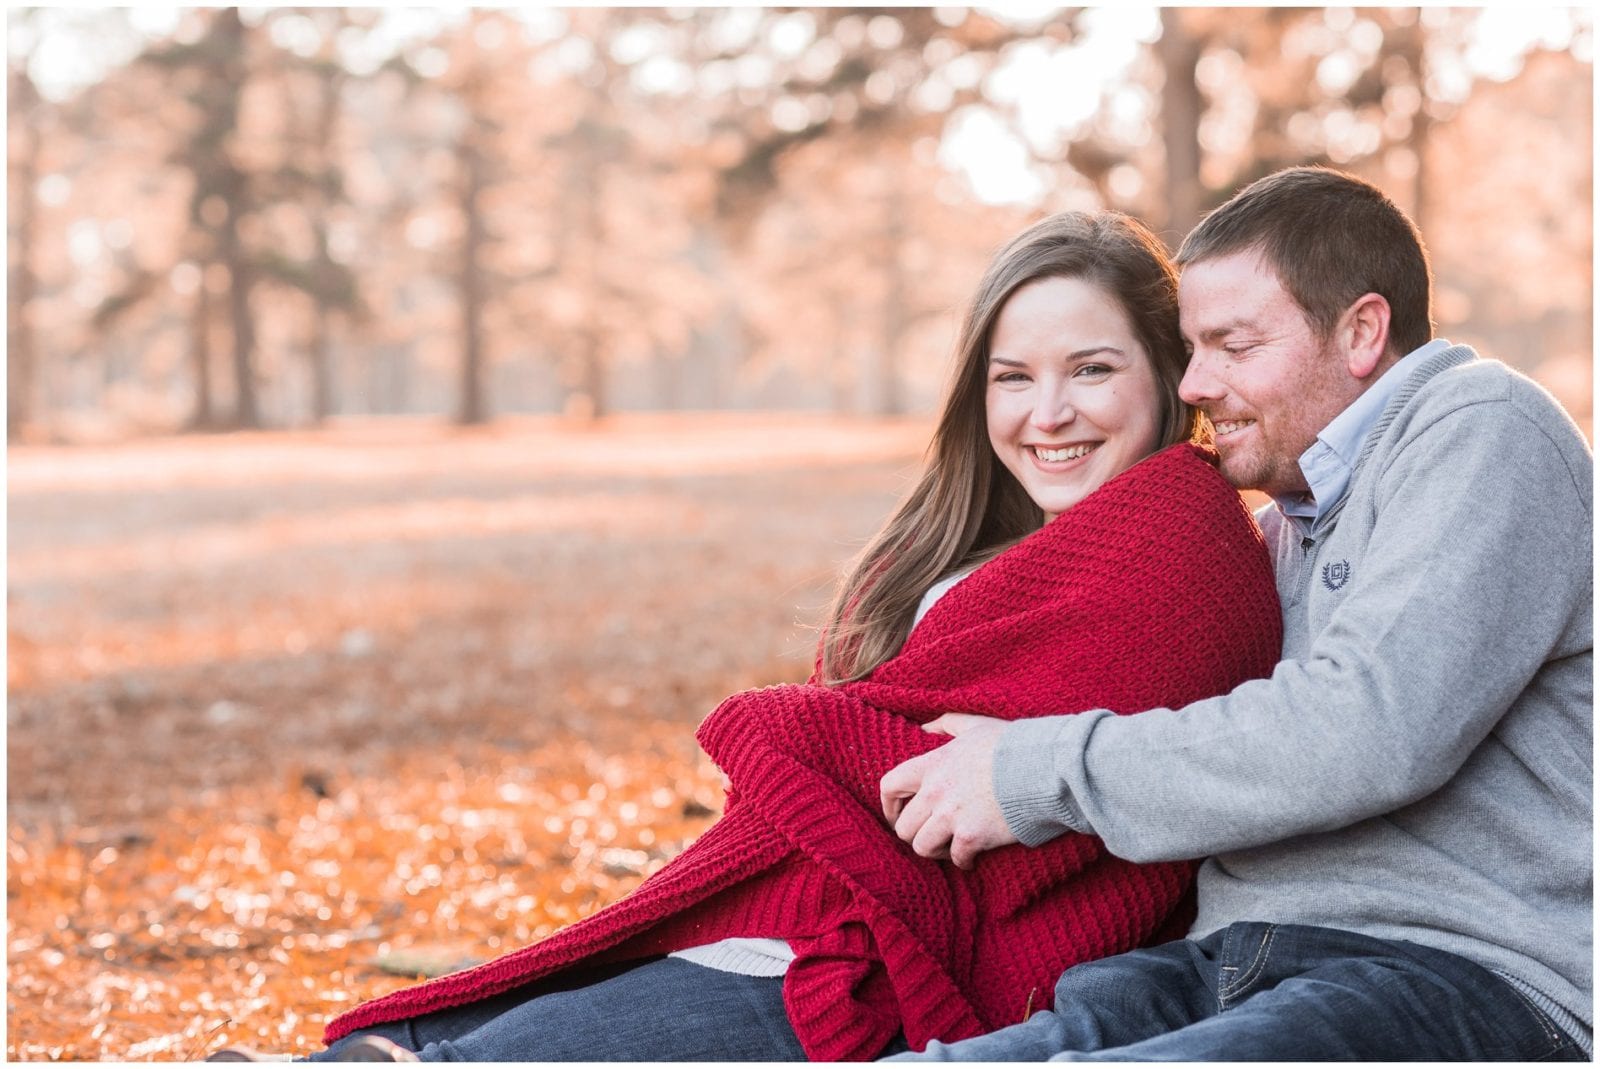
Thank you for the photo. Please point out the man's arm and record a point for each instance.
(1478, 564)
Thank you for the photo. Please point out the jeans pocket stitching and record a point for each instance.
(1551, 1032)
(1256, 967)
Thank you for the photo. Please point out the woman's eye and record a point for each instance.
(1093, 370)
(1011, 376)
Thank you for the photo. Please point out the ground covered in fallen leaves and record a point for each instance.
(296, 717)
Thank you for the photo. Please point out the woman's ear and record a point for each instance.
(1364, 334)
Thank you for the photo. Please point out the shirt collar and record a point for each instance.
(1329, 463)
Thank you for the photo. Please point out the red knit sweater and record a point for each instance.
(1154, 591)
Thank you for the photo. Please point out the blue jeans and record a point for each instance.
(1254, 992)
(664, 1010)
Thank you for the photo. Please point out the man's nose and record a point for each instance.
(1199, 383)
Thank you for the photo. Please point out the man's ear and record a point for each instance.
(1364, 332)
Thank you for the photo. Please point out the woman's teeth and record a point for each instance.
(1071, 452)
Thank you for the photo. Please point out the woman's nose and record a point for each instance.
(1053, 408)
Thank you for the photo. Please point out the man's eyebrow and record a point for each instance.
(1213, 335)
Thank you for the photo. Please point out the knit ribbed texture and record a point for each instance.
(1153, 591)
(742, 955)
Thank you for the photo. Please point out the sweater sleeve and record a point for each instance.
(1477, 567)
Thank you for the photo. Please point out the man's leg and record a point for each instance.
(1277, 992)
(666, 1009)
(1106, 1003)
(1295, 993)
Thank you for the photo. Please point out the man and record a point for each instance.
(1397, 823)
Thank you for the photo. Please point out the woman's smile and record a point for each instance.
(1061, 457)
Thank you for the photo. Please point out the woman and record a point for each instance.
(1068, 547)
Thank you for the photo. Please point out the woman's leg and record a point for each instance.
(666, 1009)
(416, 1032)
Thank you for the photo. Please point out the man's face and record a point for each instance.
(1257, 370)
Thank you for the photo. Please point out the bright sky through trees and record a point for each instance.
(391, 210)
(1050, 89)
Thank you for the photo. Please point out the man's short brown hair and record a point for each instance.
(1331, 238)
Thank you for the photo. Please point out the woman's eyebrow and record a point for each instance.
(1079, 354)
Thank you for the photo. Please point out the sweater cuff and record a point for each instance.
(1037, 804)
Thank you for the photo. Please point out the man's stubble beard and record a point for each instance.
(1252, 472)
(1272, 469)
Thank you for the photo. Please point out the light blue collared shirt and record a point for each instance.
(1328, 464)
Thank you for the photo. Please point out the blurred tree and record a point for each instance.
(1238, 94)
(222, 196)
(399, 165)
(473, 159)
(71, 243)
(259, 177)
(614, 208)
(591, 150)
(554, 256)
(27, 113)
(869, 83)
(309, 175)
(1179, 51)
(1514, 244)
(461, 92)
(826, 239)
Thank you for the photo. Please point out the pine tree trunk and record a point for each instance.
(22, 283)
(1180, 124)
(471, 409)
(891, 401)
(246, 411)
(204, 416)
(323, 399)
(231, 187)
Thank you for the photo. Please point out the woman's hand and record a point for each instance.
(943, 802)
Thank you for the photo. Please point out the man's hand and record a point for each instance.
(943, 802)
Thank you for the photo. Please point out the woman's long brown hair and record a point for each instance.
(966, 507)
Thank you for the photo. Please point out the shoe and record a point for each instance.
(376, 1049)
(246, 1054)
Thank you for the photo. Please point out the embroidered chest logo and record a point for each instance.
(1335, 574)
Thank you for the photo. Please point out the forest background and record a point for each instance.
(418, 419)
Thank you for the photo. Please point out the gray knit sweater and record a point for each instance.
(1419, 766)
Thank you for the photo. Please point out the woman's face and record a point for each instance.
(1072, 398)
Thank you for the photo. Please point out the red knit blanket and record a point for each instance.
(1154, 591)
